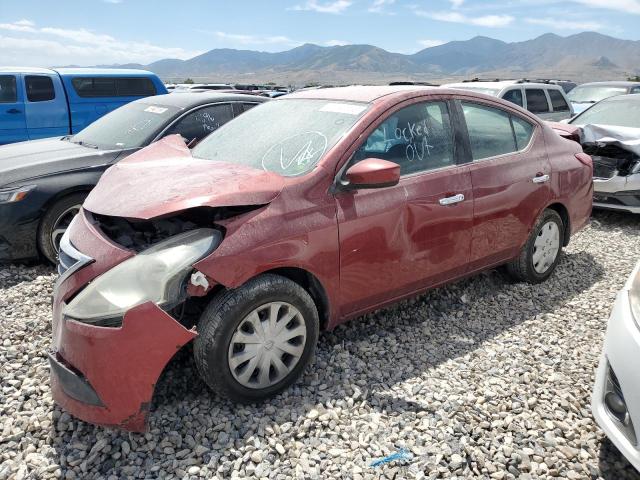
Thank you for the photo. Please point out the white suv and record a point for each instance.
(546, 100)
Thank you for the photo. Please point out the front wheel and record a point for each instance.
(256, 340)
(55, 222)
(541, 254)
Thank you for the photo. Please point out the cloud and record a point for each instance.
(430, 43)
(565, 24)
(245, 39)
(335, 7)
(491, 21)
(48, 46)
(456, 3)
(115, 2)
(627, 6)
(378, 6)
(336, 43)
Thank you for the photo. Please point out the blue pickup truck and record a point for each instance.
(40, 102)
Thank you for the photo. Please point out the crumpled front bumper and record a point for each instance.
(107, 375)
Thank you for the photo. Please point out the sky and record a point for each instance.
(95, 32)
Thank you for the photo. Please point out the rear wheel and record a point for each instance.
(256, 340)
(541, 254)
(55, 222)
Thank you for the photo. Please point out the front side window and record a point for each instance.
(8, 89)
(536, 101)
(514, 96)
(558, 102)
(418, 138)
(198, 124)
(288, 136)
(39, 88)
(490, 131)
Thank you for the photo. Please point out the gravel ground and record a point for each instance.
(481, 379)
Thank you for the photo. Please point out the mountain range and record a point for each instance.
(581, 57)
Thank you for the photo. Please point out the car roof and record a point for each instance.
(189, 100)
(501, 84)
(101, 71)
(25, 70)
(361, 93)
(619, 83)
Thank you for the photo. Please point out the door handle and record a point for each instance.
(452, 200)
(540, 179)
(14, 110)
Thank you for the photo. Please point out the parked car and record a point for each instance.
(185, 87)
(546, 100)
(40, 103)
(44, 182)
(585, 95)
(567, 85)
(300, 214)
(616, 394)
(609, 131)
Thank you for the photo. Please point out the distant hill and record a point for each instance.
(584, 56)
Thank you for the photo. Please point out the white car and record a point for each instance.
(616, 396)
(546, 100)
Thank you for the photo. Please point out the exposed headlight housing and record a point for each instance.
(634, 294)
(15, 194)
(156, 274)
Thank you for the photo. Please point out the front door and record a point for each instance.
(510, 175)
(401, 239)
(13, 126)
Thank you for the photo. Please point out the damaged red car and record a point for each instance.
(298, 215)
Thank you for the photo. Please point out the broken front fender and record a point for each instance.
(120, 365)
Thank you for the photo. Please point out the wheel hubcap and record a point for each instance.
(546, 246)
(267, 344)
(61, 224)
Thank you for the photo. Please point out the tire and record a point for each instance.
(57, 218)
(229, 319)
(523, 268)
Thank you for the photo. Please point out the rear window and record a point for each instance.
(8, 91)
(89, 87)
(557, 101)
(39, 88)
(536, 101)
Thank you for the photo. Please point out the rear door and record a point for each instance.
(510, 176)
(398, 240)
(13, 126)
(45, 106)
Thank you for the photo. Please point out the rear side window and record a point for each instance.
(8, 89)
(635, 90)
(90, 87)
(536, 101)
(39, 88)
(513, 96)
(248, 106)
(523, 131)
(558, 102)
(490, 131)
(198, 124)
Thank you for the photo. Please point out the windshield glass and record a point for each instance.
(619, 114)
(487, 91)
(288, 137)
(593, 94)
(130, 126)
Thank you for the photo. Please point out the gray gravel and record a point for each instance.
(484, 378)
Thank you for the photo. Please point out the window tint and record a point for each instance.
(523, 131)
(536, 101)
(89, 87)
(39, 88)
(200, 123)
(513, 96)
(558, 102)
(248, 106)
(418, 138)
(490, 131)
(8, 91)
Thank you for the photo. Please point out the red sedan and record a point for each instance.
(298, 215)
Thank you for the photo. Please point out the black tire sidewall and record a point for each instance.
(50, 218)
(548, 215)
(224, 317)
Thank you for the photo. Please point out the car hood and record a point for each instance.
(37, 158)
(164, 178)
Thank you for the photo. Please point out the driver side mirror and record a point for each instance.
(372, 173)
